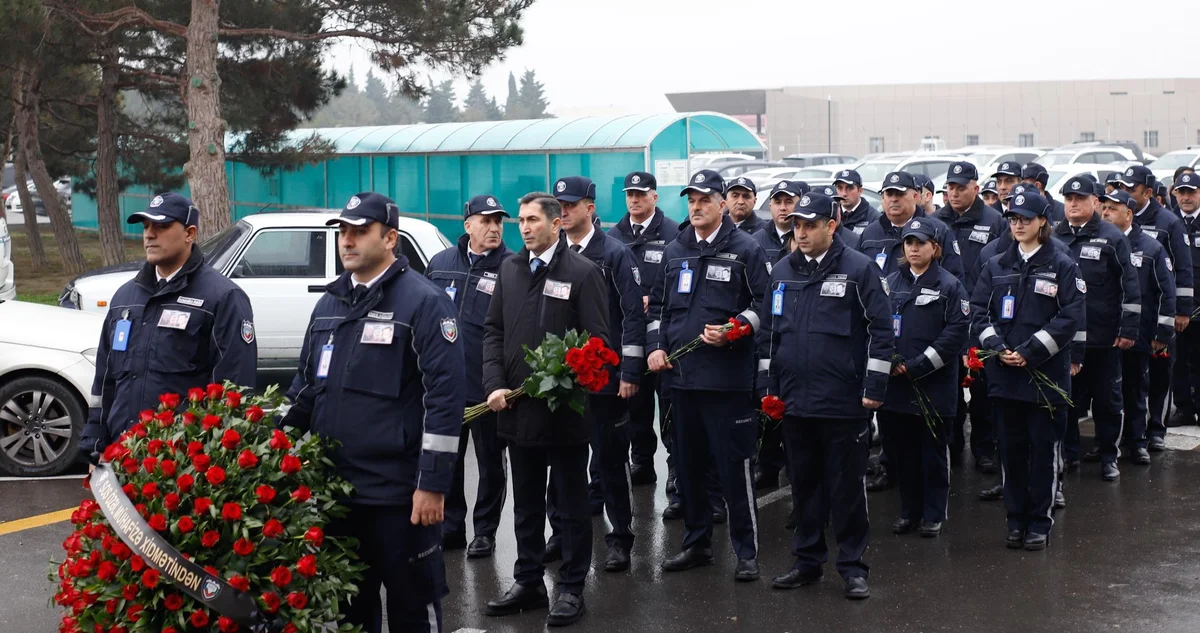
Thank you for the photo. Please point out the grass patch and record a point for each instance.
(44, 286)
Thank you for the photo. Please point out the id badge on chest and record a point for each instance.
(1008, 307)
(174, 319)
(377, 333)
(896, 318)
(451, 291)
(325, 360)
(685, 280)
(880, 260)
(777, 301)
(120, 340)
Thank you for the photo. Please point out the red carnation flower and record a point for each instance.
(150, 578)
(201, 505)
(773, 407)
(967, 381)
(133, 612)
(243, 547)
(247, 460)
(273, 529)
(169, 400)
(210, 538)
(315, 535)
(173, 602)
(231, 512)
(168, 467)
(195, 394)
(302, 494)
(136, 563)
(158, 523)
(129, 592)
(200, 462)
(290, 464)
(233, 399)
(185, 525)
(254, 413)
(307, 566)
(265, 494)
(215, 475)
(226, 625)
(214, 391)
(297, 600)
(280, 441)
(280, 577)
(170, 629)
(210, 422)
(270, 601)
(241, 583)
(199, 619)
(230, 439)
(185, 482)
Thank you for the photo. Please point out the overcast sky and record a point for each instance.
(615, 56)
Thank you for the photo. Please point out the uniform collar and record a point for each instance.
(587, 239)
(354, 283)
(148, 277)
(342, 286)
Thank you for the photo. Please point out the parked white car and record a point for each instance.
(1164, 168)
(282, 260)
(1058, 176)
(932, 165)
(8, 284)
(47, 363)
(1092, 154)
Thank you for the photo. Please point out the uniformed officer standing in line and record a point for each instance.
(1187, 358)
(925, 191)
(468, 272)
(1157, 325)
(1112, 181)
(974, 225)
(1113, 309)
(1007, 176)
(646, 230)
(825, 349)
(714, 273)
(848, 237)
(740, 199)
(857, 214)
(1166, 227)
(1036, 175)
(991, 197)
(545, 288)
(609, 411)
(381, 314)
(930, 322)
(1028, 306)
(178, 324)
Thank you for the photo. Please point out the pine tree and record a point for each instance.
(512, 106)
(478, 106)
(439, 107)
(376, 91)
(532, 97)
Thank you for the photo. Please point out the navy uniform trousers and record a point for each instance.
(1030, 444)
(405, 559)
(920, 463)
(643, 443)
(1186, 385)
(983, 436)
(1098, 386)
(1135, 385)
(610, 470)
(493, 483)
(1161, 376)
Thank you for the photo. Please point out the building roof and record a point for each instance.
(710, 132)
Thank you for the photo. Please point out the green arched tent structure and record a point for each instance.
(432, 169)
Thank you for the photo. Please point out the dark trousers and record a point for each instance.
(568, 472)
(1098, 387)
(404, 558)
(720, 427)
(643, 442)
(983, 436)
(771, 455)
(920, 464)
(828, 468)
(1029, 457)
(1161, 370)
(610, 446)
(493, 481)
(1186, 379)
(1135, 385)
(716, 499)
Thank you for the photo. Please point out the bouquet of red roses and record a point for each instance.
(232, 494)
(733, 330)
(564, 371)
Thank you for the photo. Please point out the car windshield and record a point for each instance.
(875, 171)
(811, 174)
(1174, 161)
(1056, 178)
(220, 248)
(981, 159)
(1054, 158)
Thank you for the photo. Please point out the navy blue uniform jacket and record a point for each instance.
(1114, 298)
(626, 315)
(1167, 228)
(395, 406)
(858, 219)
(977, 227)
(881, 242)
(1157, 283)
(649, 246)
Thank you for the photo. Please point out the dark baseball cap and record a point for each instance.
(1187, 181)
(1160, 189)
(483, 205)
(707, 181)
(640, 181)
(899, 180)
(1029, 204)
(790, 187)
(744, 183)
(168, 207)
(1137, 175)
(1113, 177)
(367, 207)
(1078, 186)
(1122, 197)
(1008, 168)
(814, 205)
(1018, 190)
(1034, 171)
(848, 176)
(923, 182)
(961, 173)
(922, 230)
(574, 189)
(830, 192)
(989, 187)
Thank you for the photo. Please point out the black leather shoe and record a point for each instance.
(1109, 471)
(1182, 417)
(880, 483)
(1071, 465)
(671, 487)
(618, 558)
(930, 529)
(766, 480)
(747, 570)
(1092, 456)
(903, 526)
(1140, 456)
(642, 475)
(796, 578)
(451, 542)
(720, 515)
(566, 610)
(674, 512)
(856, 588)
(1015, 540)
(987, 465)
(481, 547)
(553, 552)
(1157, 444)
(519, 598)
(1060, 500)
(995, 493)
(1035, 542)
(689, 558)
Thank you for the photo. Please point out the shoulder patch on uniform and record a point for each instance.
(966, 307)
(248, 332)
(1170, 266)
(1081, 284)
(957, 248)
(637, 275)
(449, 329)
(188, 301)
(770, 268)
(886, 288)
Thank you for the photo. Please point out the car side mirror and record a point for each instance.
(239, 271)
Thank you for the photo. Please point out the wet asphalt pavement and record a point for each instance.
(1124, 557)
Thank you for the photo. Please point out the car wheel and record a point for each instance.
(41, 421)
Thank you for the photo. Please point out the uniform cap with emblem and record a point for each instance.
(574, 189)
(1079, 186)
(923, 182)
(1187, 181)
(1029, 204)
(364, 208)
(831, 192)
(899, 181)
(790, 187)
(707, 181)
(1018, 190)
(744, 183)
(1122, 197)
(1113, 177)
(640, 181)
(1034, 171)
(483, 205)
(989, 187)
(1160, 189)
(1137, 175)
(814, 205)
(961, 173)
(168, 207)
(848, 176)
(1008, 168)
(919, 229)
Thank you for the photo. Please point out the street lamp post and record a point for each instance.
(829, 120)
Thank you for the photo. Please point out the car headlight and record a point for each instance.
(90, 355)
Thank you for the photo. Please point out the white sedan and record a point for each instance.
(283, 260)
(47, 363)
(8, 284)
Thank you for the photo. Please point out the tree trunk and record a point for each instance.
(206, 130)
(8, 149)
(112, 243)
(37, 252)
(60, 220)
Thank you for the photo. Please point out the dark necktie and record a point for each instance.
(474, 259)
(159, 285)
(358, 293)
(810, 266)
(535, 265)
(637, 231)
(703, 244)
(576, 248)
(1189, 219)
